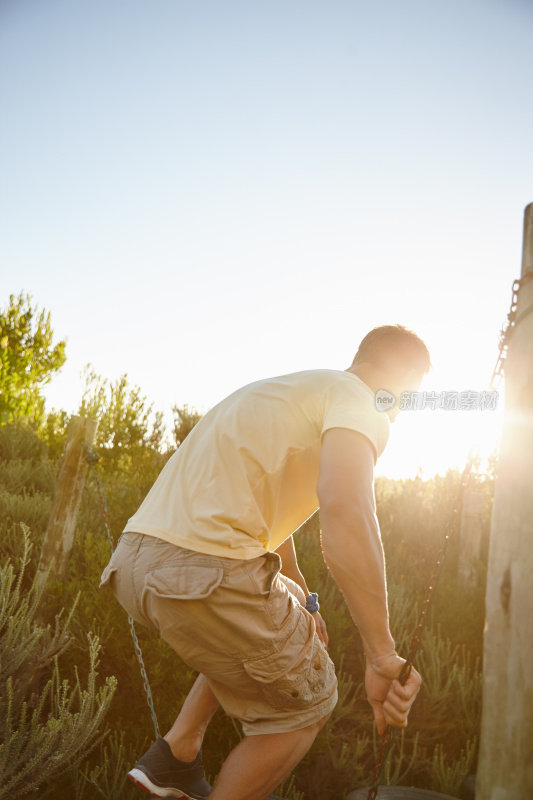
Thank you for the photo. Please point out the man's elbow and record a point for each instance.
(342, 523)
(341, 511)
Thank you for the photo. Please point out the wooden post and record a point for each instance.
(59, 535)
(468, 572)
(505, 769)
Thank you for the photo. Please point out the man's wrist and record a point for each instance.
(379, 651)
(388, 665)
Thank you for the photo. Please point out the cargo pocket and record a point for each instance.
(173, 600)
(193, 582)
(294, 678)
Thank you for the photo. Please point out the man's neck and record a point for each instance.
(368, 374)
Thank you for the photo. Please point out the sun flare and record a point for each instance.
(430, 440)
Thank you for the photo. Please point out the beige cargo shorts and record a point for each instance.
(240, 623)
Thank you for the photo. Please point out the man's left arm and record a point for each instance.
(290, 568)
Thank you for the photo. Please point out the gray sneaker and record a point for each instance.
(162, 775)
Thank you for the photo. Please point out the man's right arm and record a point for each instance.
(352, 550)
(351, 543)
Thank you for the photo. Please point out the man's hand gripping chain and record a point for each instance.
(386, 739)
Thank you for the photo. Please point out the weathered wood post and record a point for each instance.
(59, 535)
(470, 540)
(505, 769)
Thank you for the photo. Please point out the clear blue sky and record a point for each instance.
(206, 193)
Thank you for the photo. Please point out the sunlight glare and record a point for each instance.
(429, 442)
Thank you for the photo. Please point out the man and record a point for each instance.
(209, 560)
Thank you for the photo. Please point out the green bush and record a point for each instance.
(49, 723)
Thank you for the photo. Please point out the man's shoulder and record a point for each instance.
(322, 386)
(320, 376)
(310, 378)
(339, 379)
(310, 383)
(327, 385)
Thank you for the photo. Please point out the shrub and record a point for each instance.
(49, 723)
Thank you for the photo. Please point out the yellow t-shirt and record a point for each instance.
(245, 477)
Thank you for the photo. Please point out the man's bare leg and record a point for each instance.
(259, 763)
(186, 735)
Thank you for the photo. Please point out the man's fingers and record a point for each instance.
(393, 704)
(395, 716)
(396, 710)
(399, 700)
(405, 692)
(414, 681)
(390, 701)
(397, 721)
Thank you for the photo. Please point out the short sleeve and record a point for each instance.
(350, 405)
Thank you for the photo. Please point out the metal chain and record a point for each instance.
(385, 746)
(92, 458)
(505, 335)
(509, 327)
(416, 641)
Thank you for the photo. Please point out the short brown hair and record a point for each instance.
(394, 344)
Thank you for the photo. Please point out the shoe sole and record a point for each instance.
(143, 782)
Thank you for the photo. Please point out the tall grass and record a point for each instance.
(436, 751)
